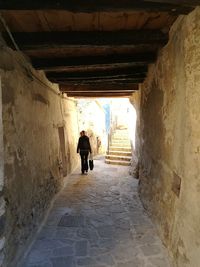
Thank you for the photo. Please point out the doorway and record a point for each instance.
(61, 134)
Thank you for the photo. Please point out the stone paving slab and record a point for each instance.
(98, 221)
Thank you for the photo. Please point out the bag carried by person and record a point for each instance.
(91, 163)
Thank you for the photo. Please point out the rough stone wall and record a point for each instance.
(2, 201)
(169, 147)
(135, 101)
(40, 134)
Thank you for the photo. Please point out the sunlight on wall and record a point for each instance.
(123, 115)
(98, 116)
(92, 119)
(132, 118)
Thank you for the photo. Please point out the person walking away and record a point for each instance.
(84, 148)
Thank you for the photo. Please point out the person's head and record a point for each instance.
(82, 133)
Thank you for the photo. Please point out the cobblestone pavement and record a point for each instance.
(98, 221)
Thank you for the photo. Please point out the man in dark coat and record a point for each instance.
(84, 148)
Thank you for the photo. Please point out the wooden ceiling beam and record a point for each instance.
(38, 40)
(99, 94)
(136, 76)
(137, 71)
(121, 83)
(98, 88)
(68, 62)
(174, 7)
(102, 81)
(105, 91)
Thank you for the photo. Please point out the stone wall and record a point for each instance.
(40, 136)
(135, 101)
(2, 201)
(169, 145)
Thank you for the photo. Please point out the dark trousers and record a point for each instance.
(84, 160)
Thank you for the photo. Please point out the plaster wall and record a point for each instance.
(169, 144)
(39, 141)
(1, 143)
(135, 101)
(2, 201)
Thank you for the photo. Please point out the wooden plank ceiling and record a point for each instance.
(92, 48)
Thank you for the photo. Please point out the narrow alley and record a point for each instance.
(98, 220)
(126, 74)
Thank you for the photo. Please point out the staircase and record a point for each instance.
(119, 149)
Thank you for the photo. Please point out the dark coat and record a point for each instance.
(84, 144)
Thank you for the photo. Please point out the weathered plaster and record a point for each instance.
(33, 162)
(1, 143)
(2, 201)
(135, 101)
(169, 145)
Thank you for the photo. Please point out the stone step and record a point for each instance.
(117, 158)
(121, 145)
(117, 148)
(119, 153)
(120, 134)
(117, 162)
(126, 141)
(121, 131)
(120, 138)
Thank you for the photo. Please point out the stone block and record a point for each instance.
(64, 251)
(2, 243)
(81, 248)
(63, 261)
(86, 261)
(72, 221)
(2, 224)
